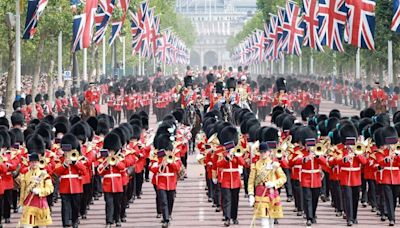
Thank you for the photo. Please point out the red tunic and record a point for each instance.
(230, 176)
(71, 177)
(350, 171)
(112, 178)
(310, 176)
(166, 176)
(389, 168)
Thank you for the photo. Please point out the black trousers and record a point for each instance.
(310, 196)
(391, 193)
(97, 186)
(184, 159)
(325, 185)
(364, 195)
(167, 203)
(85, 198)
(130, 188)
(113, 207)
(337, 196)
(15, 199)
(118, 116)
(351, 196)
(7, 202)
(70, 206)
(147, 169)
(230, 202)
(124, 202)
(158, 203)
(372, 193)
(138, 183)
(246, 174)
(380, 199)
(1, 207)
(298, 194)
(217, 194)
(288, 184)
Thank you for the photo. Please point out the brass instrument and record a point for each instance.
(43, 161)
(319, 149)
(238, 151)
(358, 149)
(200, 158)
(395, 149)
(170, 158)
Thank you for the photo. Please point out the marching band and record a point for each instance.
(221, 116)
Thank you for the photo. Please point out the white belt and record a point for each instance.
(9, 173)
(350, 169)
(297, 167)
(230, 170)
(165, 174)
(391, 168)
(70, 176)
(112, 175)
(310, 171)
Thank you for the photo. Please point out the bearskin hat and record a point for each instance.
(79, 131)
(145, 122)
(35, 144)
(221, 125)
(127, 133)
(188, 80)
(134, 116)
(396, 117)
(378, 137)
(62, 119)
(70, 139)
(6, 138)
(137, 131)
(163, 142)
(18, 135)
(38, 98)
(178, 114)
(280, 84)
(228, 134)
(210, 130)
(308, 111)
(362, 123)
(49, 119)
(208, 121)
(137, 122)
(382, 118)
(17, 118)
(275, 115)
(122, 135)
(397, 126)
(28, 99)
(231, 83)
(4, 122)
(368, 112)
(102, 127)
(112, 142)
(305, 133)
(210, 78)
(92, 121)
(248, 123)
(74, 119)
(16, 105)
(304, 86)
(60, 128)
(335, 137)
(389, 132)
(253, 133)
(279, 119)
(33, 157)
(347, 131)
(335, 113)
(246, 116)
(271, 134)
(46, 135)
(288, 122)
(372, 128)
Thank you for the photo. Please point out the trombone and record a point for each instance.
(395, 149)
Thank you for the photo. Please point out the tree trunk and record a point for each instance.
(97, 64)
(36, 73)
(10, 93)
(50, 82)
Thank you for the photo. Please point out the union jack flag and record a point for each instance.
(282, 38)
(102, 17)
(117, 25)
(332, 19)
(90, 12)
(34, 11)
(311, 38)
(147, 33)
(155, 34)
(258, 44)
(395, 26)
(292, 29)
(78, 28)
(164, 45)
(360, 29)
(273, 37)
(137, 27)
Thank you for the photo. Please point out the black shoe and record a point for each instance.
(15, 210)
(131, 200)
(147, 180)
(108, 225)
(309, 222)
(165, 225)
(323, 198)
(349, 223)
(227, 223)
(96, 198)
(276, 221)
(118, 224)
(91, 203)
(224, 219)
(158, 216)
(364, 204)
(295, 210)
(289, 199)
(391, 223)
(123, 219)
(246, 195)
(210, 200)
(139, 197)
(213, 205)
(383, 218)
(339, 214)
(299, 213)
(84, 217)
(218, 209)
(235, 222)
(314, 221)
(355, 221)
(75, 226)
(7, 221)
(373, 209)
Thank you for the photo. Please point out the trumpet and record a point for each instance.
(73, 156)
(319, 149)
(238, 151)
(170, 158)
(358, 149)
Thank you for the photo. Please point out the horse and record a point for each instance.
(226, 110)
(379, 106)
(88, 110)
(192, 118)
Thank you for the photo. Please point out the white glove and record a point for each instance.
(215, 180)
(20, 208)
(270, 184)
(252, 200)
(36, 191)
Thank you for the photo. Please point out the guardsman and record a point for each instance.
(232, 96)
(75, 102)
(230, 176)
(310, 178)
(70, 170)
(188, 95)
(38, 106)
(377, 95)
(350, 163)
(118, 106)
(217, 99)
(317, 97)
(59, 104)
(166, 171)
(281, 98)
(65, 102)
(209, 91)
(111, 169)
(388, 161)
(266, 177)
(48, 108)
(394, 99)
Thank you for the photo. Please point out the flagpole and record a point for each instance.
(291, 64)
(334, 65)
(301, 64)
(85, 76)
(312, 62)
(140, 65)
(104, 55)
(272, 67)
(60, 67)
(390, 62)
(18, 85)
(283, 65)
(123, 56)
(358, 63)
